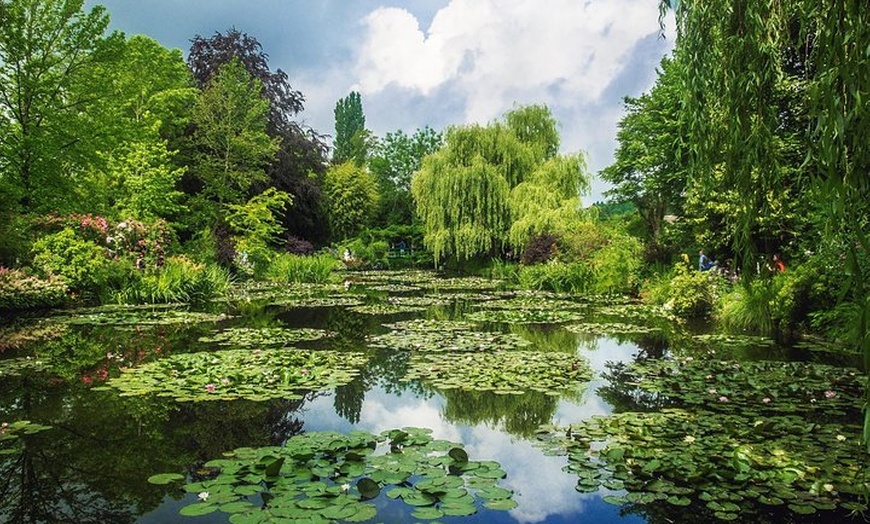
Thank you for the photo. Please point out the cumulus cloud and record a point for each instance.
(495, 52)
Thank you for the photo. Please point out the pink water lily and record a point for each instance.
(723, 398)
(830, 394)
(210, 388)
(766, 400)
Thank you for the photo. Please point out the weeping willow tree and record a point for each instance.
(735, 51)
(462, 190)
(548, 201)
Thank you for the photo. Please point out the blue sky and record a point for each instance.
(439, 62)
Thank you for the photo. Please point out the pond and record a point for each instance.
(404, 397)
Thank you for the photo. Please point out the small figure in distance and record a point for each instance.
(776, 264)
(704, 262)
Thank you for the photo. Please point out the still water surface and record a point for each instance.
(92, 465)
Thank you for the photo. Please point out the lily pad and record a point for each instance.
(236, 374)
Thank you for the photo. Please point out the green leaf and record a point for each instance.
(200, 508)
(164, 478)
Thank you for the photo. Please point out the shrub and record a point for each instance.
(179, 280)
(298, 246)
(539, 249)
(686, 292)
(296, 268)
(617, 265)
(576, 277)
(21, 291)
(749, 308)
(81, 263)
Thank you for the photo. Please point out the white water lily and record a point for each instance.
(689, 439)
(203, 496)
(345, 487)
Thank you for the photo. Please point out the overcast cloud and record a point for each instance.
(439, 62)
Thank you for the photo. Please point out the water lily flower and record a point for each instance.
(689, 439)
(210, 388)
(841, 438)
(812, 400)
(345, 487)
(828, 487)
(303, 371)
(225, 382)
(713, 392)
(723, 398)
(766, 400)
(830, 394)
(203, 496)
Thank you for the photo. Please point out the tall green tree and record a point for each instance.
(462, 191)
(302, 150)
(548, 201)
(351, 199)
(734, 54)
(230, 135)
(393, 160)
(651, 167)
(351, 136)
(46, 48)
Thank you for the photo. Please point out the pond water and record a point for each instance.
(115, 396)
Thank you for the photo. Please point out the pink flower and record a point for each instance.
(723, 398)
(766, 400)
(830, 394)
(303, 371)
(210, 388)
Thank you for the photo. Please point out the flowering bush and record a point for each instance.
(21, 291)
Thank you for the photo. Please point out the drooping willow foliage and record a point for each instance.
(735, 53)
(547, 202)
(463, 191)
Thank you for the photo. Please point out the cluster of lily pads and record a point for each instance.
(752, 388)
(329, 476)
(611, 328)
(447, 338)
(759, 434)
(262, 337)
(240, 374)
(385, 308)
(11, 432)
(526, 316)
(502, 372)
(11, 367)
(149, 317)
(314, 301)
(732, 465)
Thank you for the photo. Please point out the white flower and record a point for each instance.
(689, 439)
(841, 438)
(828, 487)
(203, 496)
(345, 487)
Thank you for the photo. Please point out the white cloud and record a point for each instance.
(493, 53)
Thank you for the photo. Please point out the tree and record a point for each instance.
(302, 150)
(650, 168)
(548, 201)
(46, 48)
(351, 136)
(462, 190)
(230, 135)
(737, 51)
(351, 197)
(394, 160)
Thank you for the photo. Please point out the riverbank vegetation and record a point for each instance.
(131, 175)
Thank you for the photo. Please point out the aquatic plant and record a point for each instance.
(240, 374)
(260, 337)
(503, 372)
(328, 477)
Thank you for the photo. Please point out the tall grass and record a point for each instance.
(750, 308)
(179, 280)
(302, 268)
(576, 277)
